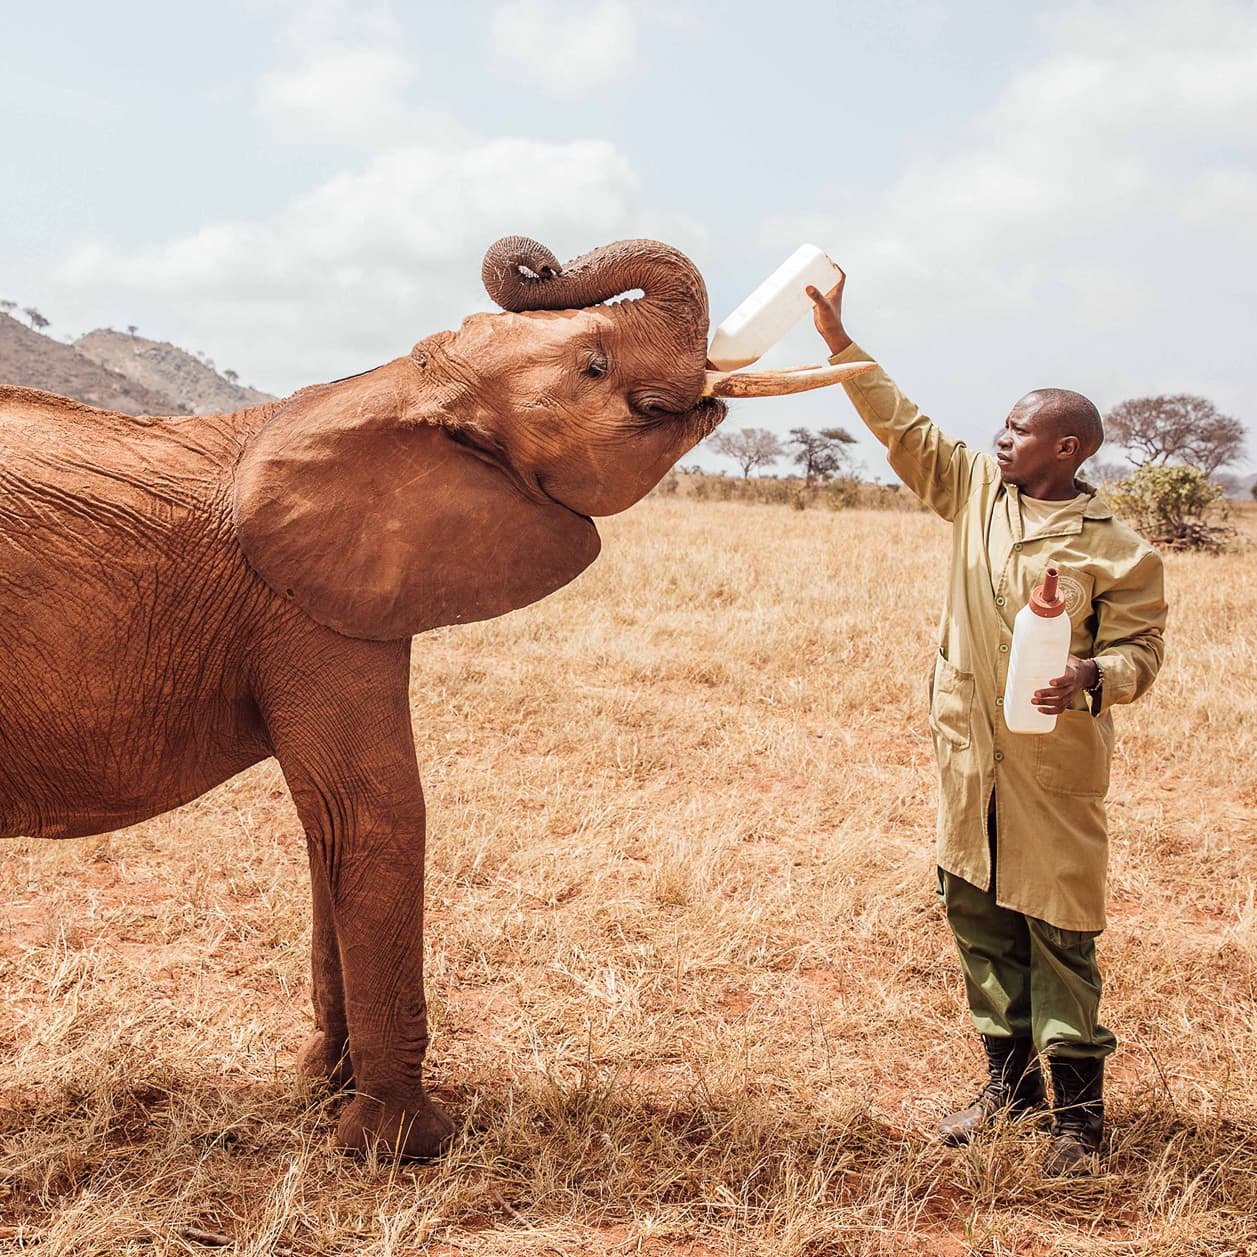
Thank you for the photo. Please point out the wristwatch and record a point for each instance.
(1094, 690)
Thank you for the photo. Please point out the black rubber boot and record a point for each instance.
(1077, 1117)
(1015, 1085)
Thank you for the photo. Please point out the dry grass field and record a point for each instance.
(691, 992)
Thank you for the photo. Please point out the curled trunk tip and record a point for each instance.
(521, 274)
(515, 264)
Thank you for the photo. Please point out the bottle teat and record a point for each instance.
(1046, 600)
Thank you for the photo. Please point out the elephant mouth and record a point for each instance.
(697, 423)
(708, 415)
(705, 418)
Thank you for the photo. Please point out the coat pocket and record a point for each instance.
(951, 703)
(1075, 757)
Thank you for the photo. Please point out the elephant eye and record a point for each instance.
(596, 367)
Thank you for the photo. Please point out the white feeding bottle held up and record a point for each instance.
(1041, 634)
(772, 309)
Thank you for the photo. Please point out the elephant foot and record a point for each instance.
(325, 1058)
(411, 1133)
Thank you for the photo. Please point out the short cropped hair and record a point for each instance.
(1074, 415)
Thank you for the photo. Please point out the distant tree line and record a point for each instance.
(1174, 445)
(1179, 428)
(819, 455)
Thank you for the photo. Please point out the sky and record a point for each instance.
(1022, 195)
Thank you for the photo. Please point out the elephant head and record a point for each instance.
(457, 483)
(597, 401)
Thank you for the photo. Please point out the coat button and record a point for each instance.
(999, 702)
(1017, 546)
(999, 755)
(999, 602)
(1003, 648)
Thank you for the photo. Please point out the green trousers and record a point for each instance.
(1024, 977)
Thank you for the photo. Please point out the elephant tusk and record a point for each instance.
(776, 383)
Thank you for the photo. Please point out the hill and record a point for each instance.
(119, 372)
(36, 361)
(168, 370)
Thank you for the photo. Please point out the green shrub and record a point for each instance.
(1170, 506)
(767, 489)
(711, 488)
(842, 492)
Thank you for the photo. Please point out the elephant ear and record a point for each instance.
(379, 527)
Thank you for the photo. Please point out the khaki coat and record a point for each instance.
(1051, 853)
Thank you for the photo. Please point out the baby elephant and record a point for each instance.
(183, 597)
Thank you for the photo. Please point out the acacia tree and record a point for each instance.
(748, 447)
(820, 454)
(6, 305)
(37, 320)
(1176, 428)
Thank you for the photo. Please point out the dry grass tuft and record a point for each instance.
(691, 992)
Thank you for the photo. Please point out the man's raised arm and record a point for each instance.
(936, 467)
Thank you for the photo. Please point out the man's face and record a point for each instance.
(1028, 449)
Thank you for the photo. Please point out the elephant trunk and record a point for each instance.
(520, 274)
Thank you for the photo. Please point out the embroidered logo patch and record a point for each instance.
(1074, 594)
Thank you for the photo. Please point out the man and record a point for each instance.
(1022, 844)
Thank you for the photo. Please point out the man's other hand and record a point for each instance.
(827, 314)
(1080, 675)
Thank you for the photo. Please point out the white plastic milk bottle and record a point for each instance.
(1041, 634)
(772, 309)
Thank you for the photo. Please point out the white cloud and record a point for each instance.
(1101, 295)
(1135, 127)
(1182, 70)
(563, 48)
(1227, 198)
(1087, 226)
(1081, 137)
(348, 76)
(352, 93)
(311, 26)
(353, 273)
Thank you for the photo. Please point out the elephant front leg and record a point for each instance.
(377, 895)
(325, 1055)
(341, 732)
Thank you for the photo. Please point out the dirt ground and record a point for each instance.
(690, 989)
